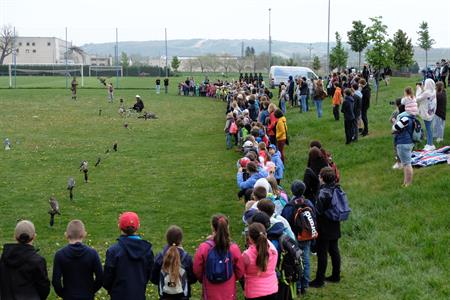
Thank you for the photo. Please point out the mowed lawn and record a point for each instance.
(175, 170)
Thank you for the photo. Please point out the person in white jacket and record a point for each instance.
(426, 101)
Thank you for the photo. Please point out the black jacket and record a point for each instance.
(365, 101)
(128, 267)
(328, 229)
(304, 88)
(312, 183)
(77, 264)
(348, 108)
(186, 261)
(356, 105)
(23, 273)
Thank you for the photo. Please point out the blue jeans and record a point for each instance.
(305, 276)
(318, 107)
(429, 132)
(229, 144)
(303, 101)
(283, 106)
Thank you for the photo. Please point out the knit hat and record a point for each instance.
(244, 161)
(298, 188)
(129, 219)
(264, 183)
(25, 231)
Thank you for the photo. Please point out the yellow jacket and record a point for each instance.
(281, 129)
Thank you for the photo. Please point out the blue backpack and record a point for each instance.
(219, 266)
(339, 209)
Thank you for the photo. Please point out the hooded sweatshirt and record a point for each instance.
(426, 100)
(23, 273)
(77, 264)
(128, 267)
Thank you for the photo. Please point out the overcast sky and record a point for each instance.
(94, 21)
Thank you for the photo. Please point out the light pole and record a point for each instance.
(270, 40)
(328, 41)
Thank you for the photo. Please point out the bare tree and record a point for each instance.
(212, 62)
(6, 42)
(226, 61)
(202, 63)
(240, 64)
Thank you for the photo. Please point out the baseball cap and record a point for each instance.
(273, 147)
(129, 219)
(25, 231)
(244, 161)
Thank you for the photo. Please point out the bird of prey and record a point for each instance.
(54, 209)
(84, 168)
(115, 147)
(98, 161)
(7, 144)
(125, 125)
(70, 186)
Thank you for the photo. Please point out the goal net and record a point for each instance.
(108, 71)
(44, 75)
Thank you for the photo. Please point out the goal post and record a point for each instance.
(105, 70)
(42, 70)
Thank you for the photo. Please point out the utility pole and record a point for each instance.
(167, 70)
(328, 41)
(310, 50)
(67, 54)
(270, 39)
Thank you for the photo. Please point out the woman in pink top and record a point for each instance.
(221, 240)
(260, 260)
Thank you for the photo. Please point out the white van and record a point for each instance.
(279, 74)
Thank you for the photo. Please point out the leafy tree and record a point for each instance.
(124, 60)
(403, 51)
(425, 41)
(380, 55)
(338, 55)
(249, 51)
(358, 39)
(6, 42)
(414, 68)
(175, 64)
(290, 62)
(316, 63)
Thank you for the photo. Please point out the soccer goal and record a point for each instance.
(35, 74)
(105, 71)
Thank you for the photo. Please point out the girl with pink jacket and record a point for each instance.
(260, 260)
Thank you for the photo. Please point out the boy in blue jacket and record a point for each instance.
(78, 265)
(276, 159)
(129, 262)
(255, 173)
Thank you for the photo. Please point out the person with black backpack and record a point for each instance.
(329, 231)
(300, 213)
(173, 269)
(218, 263)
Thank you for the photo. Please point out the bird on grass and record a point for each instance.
(70, 186)
(7, 144)
(98, 161)
(125, 125)
(115, 147)
(84, 168)
(54, 209)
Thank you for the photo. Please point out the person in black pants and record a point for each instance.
(166, 85)
(349, 116)
(365, 104)
(290, 90)
(329, 232)
(356, 94)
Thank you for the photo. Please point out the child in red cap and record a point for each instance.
(129, 262)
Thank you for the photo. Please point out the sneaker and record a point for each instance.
(316, 284)
(432, 147)
(332, 279)
(397, 166)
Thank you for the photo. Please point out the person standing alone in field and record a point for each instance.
(74, 88)
(78, 265)
(158, 85)
(110, 92)
(166, 85)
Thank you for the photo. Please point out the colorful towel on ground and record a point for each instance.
(423, 158)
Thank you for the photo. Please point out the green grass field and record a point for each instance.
(175, 170)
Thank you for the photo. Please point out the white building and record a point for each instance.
(44, 50)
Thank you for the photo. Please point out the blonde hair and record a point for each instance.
(272, 107)
(75, 230)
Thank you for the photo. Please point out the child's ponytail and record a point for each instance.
(172, 260)
(257, 233)
(222, 234)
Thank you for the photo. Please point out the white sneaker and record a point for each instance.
(426, 148)
(397, 166)
(431, 148)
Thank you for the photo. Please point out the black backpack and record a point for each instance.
(290, 263)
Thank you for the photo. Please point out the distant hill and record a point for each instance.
(197, 47)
